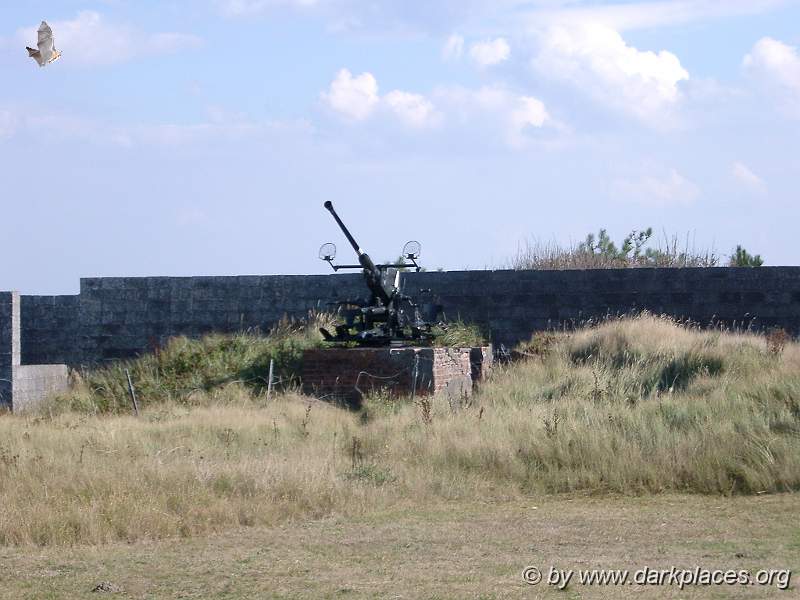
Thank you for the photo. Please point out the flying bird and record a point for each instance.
(47, 52)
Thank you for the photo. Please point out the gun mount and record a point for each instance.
(387, 317)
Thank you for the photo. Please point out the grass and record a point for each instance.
(637, 406)
(454, 550)
(186, 369)
(459, 334)
(668, 252)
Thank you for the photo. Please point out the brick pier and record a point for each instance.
(347, 374)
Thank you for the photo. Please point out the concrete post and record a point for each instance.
(9, 344)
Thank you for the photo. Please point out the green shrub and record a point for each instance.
(600, 252)
(742, 258)
(185, 369)
(461, 335)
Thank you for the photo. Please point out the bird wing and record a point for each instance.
(35, 55)
(45, 42)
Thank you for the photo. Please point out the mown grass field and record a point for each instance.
(448, 550)
(662, 430)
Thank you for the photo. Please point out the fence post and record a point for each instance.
(269, 383)
(132, 393)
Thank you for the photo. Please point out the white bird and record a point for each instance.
(47, 52)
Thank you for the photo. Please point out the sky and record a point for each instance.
(202, 137)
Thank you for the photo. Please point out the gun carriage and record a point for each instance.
(387, 317)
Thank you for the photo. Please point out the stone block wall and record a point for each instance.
(22, 387)
(116, 318)
(512, 304)
(123, 317)
(9, 344)
(50, 328)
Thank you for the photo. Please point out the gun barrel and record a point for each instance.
(329, 205)
(372, 273)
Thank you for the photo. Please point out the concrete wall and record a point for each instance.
(122, 317)
(34, 383)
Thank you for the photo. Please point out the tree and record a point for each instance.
(630, 252)
(742, 258)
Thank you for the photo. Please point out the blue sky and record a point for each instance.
(201, 138)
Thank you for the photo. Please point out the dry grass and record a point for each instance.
(186, 370)
(177, 471)
(634, 406)
(552, 256)
(464, 550)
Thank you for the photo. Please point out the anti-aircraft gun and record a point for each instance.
(388, 317)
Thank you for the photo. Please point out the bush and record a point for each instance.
(185, 368)
(599, 252)
(648, 404)
(742, 258)
(460, 335)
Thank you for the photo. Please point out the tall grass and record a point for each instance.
(645, 405)
(459, 334)
(186, 368)
(668, 252)
(639, 405)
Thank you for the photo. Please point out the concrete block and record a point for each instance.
(33, 384)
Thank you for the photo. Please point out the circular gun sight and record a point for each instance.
(327, 252)
(412, 250)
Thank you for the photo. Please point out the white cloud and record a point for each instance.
(357, 99)
(8, 124)
(354, 97)
(672, 188)
(432, 16)
(597, 60)
(779, 61)
(513, 115)
(529, 112)
(778, 65)
(89, 40)
(744, 175)
(413, 109)
(509, 17)
(453, 47)
(219, 125)
(239, 8)
(626, 16)
(490, 52)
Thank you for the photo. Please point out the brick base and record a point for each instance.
(347, 374)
